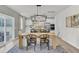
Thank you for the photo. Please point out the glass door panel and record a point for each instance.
(1, 30)
(6, 28)
(9, 28)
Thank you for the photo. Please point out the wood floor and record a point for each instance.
(69, 48)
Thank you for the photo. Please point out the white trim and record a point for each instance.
(4, 31)
(14, 28)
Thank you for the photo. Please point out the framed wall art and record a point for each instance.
(72, 21)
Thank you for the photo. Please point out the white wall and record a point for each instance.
(70, 35)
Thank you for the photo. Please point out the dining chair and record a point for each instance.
(44, 39)
(42, 30)
(33, 31)
(31, 39)
(59, 34)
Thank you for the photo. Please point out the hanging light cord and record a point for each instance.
(37, 10)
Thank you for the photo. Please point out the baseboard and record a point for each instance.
(68, 47)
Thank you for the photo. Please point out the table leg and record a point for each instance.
(54, 42)
(20, 42)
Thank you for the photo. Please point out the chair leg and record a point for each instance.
(27, 46)
(35, 46)
(40, 45)
(48, 45)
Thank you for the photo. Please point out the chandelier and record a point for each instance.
(37, 17)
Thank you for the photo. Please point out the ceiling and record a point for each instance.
(30, 10)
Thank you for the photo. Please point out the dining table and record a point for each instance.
(52, 36)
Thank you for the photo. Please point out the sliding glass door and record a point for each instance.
(6, 28)
(9, 28)
(1, 30)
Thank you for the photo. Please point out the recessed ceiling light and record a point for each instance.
(51, 11)
(51, 17)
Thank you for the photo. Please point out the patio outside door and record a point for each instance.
(6, 28)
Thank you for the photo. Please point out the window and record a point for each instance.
(6, 28)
